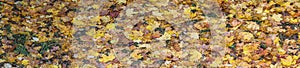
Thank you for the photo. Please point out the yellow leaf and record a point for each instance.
(204, 39)
(149, 27)
(166, 36)
(194, 35)
(293, 21)
(276, 40)
(240, 16)
(299, 36)
(247, 36)
(11, 59)
(277, 17)
(91, 32)
(136, 56)
(247, 59)
(99, 34)
(53, 66)
(288, 61)
(93, 53)
(285, 4)
(110, 26)
(50, 10)
(148, 61)
(216, 63)
(229, 39)
(77, 22)
(121, 1)
(106, 58)
(2, 60)
(230, 43)
(130, 12)
(105, 19)
(152, 0)
(17, 19)
(232, 61)
(188, 12)
(95, 6)
(248, 48)
(160, 3)
(259, 10)
(25, 62)
(156, 13)
(96, 19)
(145, 45)
(1, 51)
(281, 51)
(195, 55)
(109, 66)
(89, 66)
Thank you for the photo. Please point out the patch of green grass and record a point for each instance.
(7, 27)
(47, 45)
(21, 49)
(19, 38)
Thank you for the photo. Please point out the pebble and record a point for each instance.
(7, 65)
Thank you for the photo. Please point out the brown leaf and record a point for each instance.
(114, 14)
(268, 41)
(103, 12)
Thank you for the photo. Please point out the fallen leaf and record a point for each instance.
(288, 61)
(96, 19)
(106, 58)
(277, 17)
(25, 62)
(121, 1)
(75, 21)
